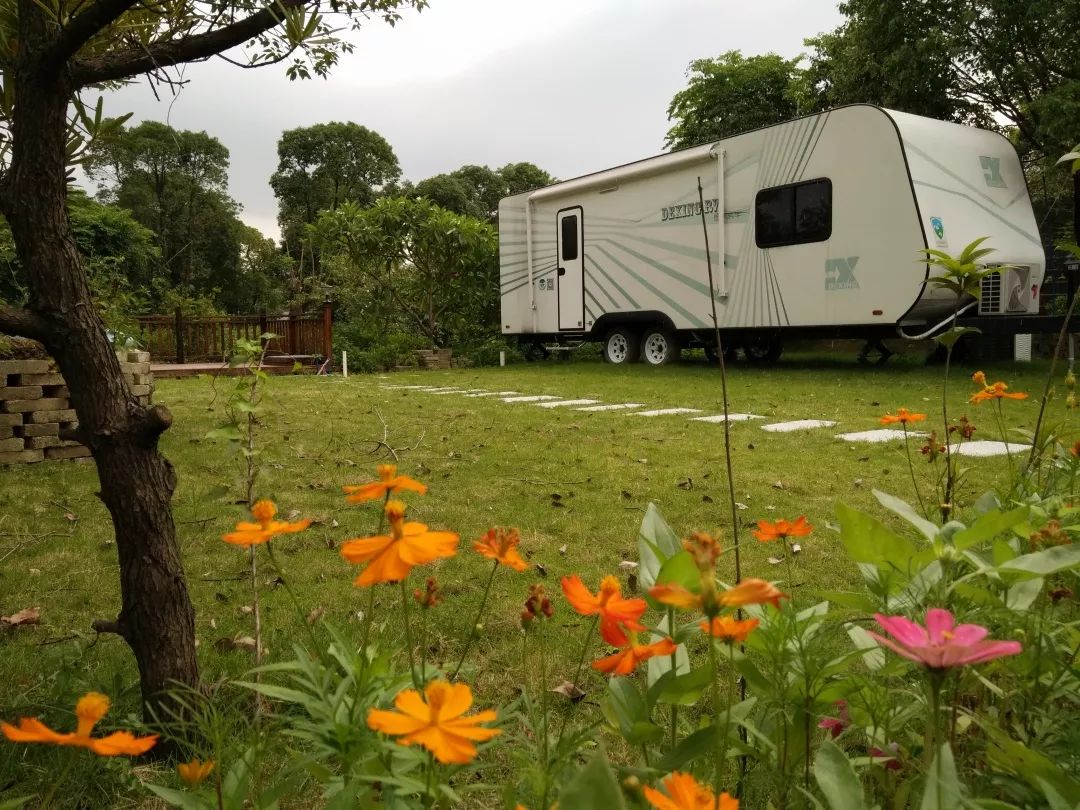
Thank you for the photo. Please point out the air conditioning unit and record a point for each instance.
(1007, 291)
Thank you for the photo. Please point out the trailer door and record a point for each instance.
(571, 269)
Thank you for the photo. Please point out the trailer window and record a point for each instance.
(794, 215)
(569, 238)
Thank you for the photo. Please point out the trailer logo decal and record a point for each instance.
(840, 274)
(991, 167)
(688, 210)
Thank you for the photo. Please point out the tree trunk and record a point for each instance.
(156, 618)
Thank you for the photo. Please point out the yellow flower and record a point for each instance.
(196, 771)
(250, 534)
(389, 483)
(89, 710)
(436, 721)
(391, 557)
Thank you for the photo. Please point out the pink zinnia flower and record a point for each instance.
(836, 725)
(890, 759)
(942, 643)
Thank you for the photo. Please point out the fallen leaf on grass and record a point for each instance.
(227, 644)
(706, 499)
(775, 561)
(795, 548)
(316, 614)
(628, 565)
(25, 616)
(572, 691)
(541, 570)
(626, 495)
(688, 484)
(778, 485)
(562, 549)
(741, 505)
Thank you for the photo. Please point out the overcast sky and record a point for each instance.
(571, 85)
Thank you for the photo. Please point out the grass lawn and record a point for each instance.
(576, 484)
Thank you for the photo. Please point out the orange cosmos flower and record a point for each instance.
(615, 612)
(389, 483)
(903, 417)
(90, 709)
(998, 390)
(391, 557)
(685, 793)
(978, 378)
(727, 628)
(1074, 451)
(782, 529)
(752, 592)
(631, 654)
(705, 550)
(501, 545)
(436, 721)
(250, 534)
(196, 771)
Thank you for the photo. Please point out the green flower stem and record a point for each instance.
(542, 634)
(674, 670)
(292, 597)
(577, 674)
(718, 744)
(408, 633)
(423, 645)
(934, 682)
(479, 615)
(369, 613)
(429, 799)
(911, 469)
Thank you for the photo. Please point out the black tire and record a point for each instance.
(533, 352)
(763, 351)
(622, 346)
(730, 353)
(659, 347)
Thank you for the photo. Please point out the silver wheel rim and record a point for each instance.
(656, 348)
(617, 348)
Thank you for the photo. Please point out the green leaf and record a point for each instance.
(1023, 594)
(234, 786)
(948, 339)
(942, 784)
(594, 786)
(624, 705)
(659, 665)
(229, 432)
(176, 798)
(851, 599)
(988, 526)
(868, 541)
(928, 528)
(1046, 562)
(1067, 157)
(656, 543)
(1007, 755)
(874, 657)
(1054, 800)
(698, 744)
(837, 779)
(680, 570)
(686, 689)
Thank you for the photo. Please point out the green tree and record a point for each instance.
(175, 182)
(475, 191)
(322, 166)
(437, 271)
(52, 56)
(731, 94)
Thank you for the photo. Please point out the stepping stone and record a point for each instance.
(444, 389)
(447, 391)
(619, 407)
(493, 394)
(666, 412)
(985, 449)
(538, 398)
(885, 435)
(731, 417)
(799, 424)
(566, 403)
(404, 386)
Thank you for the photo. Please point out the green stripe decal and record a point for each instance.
(693, 319)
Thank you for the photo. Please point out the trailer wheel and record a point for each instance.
(621, 346)
(730, 353)
(763, 350)
(659, 347)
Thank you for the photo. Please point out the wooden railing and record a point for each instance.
(180, 338)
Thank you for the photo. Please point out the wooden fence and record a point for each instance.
(179, 338)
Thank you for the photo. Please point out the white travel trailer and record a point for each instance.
(824, 220)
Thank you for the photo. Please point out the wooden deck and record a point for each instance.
(175, 371)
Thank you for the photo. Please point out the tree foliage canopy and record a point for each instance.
(731, 94)
(475, 191)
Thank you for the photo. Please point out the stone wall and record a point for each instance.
(34, 407)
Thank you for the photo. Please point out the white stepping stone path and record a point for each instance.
(494, 394)
(799, 424)
(402, 387)
(619, 407)
(731, 417)
(983, 449)
(884, 435)
(441, 390)
(565, 403)
(666, 412)
(446, 391)
(538, 398)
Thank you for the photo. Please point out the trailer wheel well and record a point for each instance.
(637, 320)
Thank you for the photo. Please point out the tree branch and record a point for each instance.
(22, 323)
(152, 424)
(82, 28)
(132, 62)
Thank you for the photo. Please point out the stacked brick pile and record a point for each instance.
(34, 407)
(433, 358)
